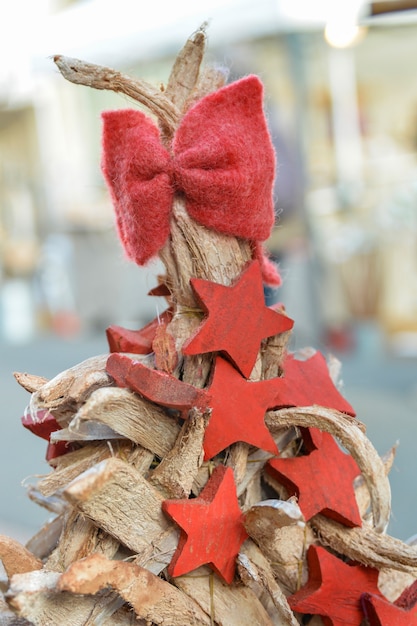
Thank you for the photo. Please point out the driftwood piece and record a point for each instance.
(120, 501)
(16, 558)
(131, 416)
(80, 537)
(255, 572)
(227, 605)
(46, 539)
(349, 433)
(186, 70)
(280, 533)
(151, 598)
(71, 465)
(175, 475)
(99, 77)
(30, 382)
(35, 597)
(366, 546)
(64, 394)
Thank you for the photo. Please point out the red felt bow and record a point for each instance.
(222, 160)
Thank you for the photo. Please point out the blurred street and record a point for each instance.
(381, 387)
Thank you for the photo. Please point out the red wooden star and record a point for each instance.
(380, 612)
(159, 387)
(308, 382)
(136, 341)
(322, 480)
(238, 411)
(334, 589)
(212, 529)
(237, 319)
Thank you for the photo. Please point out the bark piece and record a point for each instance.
(175, 474)
(80, 537)
(30, 382)
(227, 605)
(366, 546)
(152, 599)
(284, 538)
(16, 558)
(256, 572)
(120, 501)
(99, 77)
(65, 393)
(45, 540)
(131, 416)
(35, 597)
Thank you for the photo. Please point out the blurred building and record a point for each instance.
(344, 122)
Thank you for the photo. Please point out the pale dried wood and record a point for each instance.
(80, 537)
(30, 382)
(133, 417)
(121, 502)
(64, 394)
(46, 539)
(361, 490)
(392, 583)
(227, 605)
(281, 534)
(152, 599)
(99, 77)
(35, 597)
(16, 558)
(8, 617)
(349, 433)
(71, 465)
(186, 69)
(366, 546)
(175, 474)
(255, 572)
(273, 352)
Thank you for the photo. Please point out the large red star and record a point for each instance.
(212, 529)
(380, 612)
(237, 319)
(322, 480)
(334, 589)
(238, 411)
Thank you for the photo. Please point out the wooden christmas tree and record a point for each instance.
(196, 477)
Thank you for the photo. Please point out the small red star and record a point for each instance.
(322, 480)
(334, 589)
(237, 319)
(380, 612)
(238, 411)
(212, 529)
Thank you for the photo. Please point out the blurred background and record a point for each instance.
(341, 98)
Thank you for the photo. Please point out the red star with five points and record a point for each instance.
(212, 529)
(322, 480)
(334, 589)
(238, 411)
(237, 319)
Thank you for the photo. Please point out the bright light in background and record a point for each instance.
(342, 28)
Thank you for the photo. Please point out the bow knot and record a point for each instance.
(221, 160)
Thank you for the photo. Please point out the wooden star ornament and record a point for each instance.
(334, 589)
(212, 529)
(237, 319)
(322, 480)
